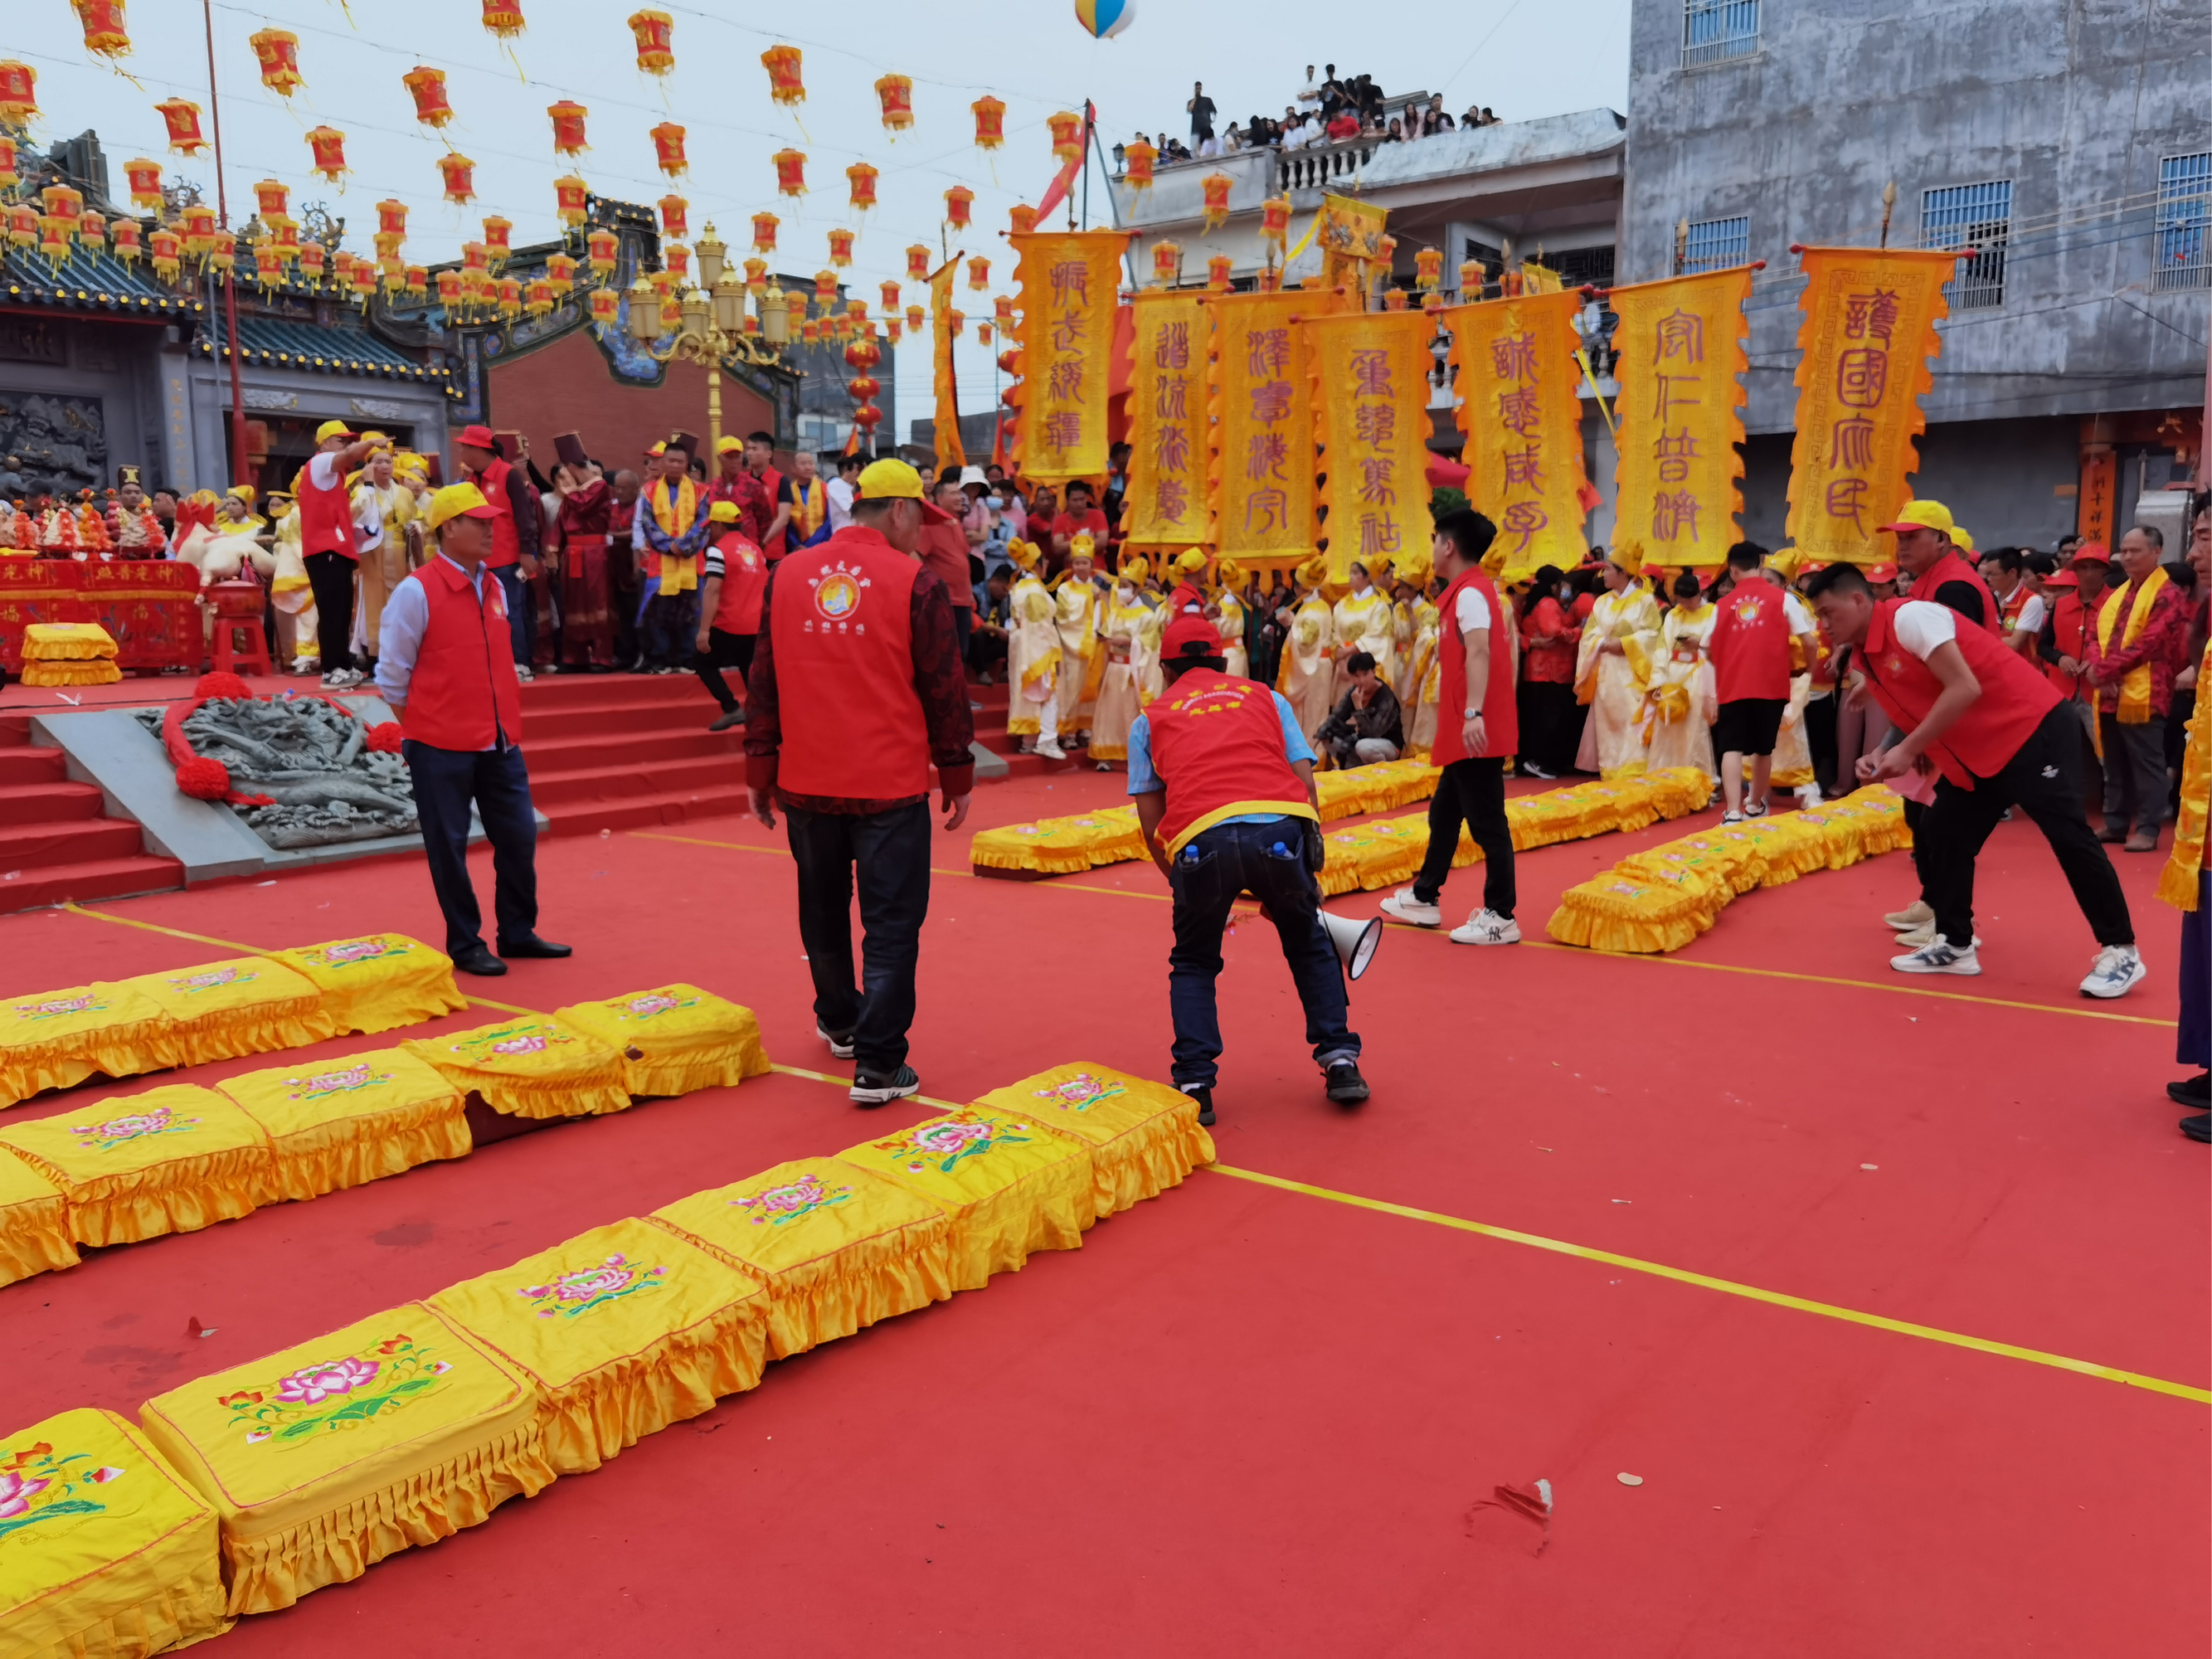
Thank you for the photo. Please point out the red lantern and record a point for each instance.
(890, 296)
(1167, 261)
(825, 286)
(394, 273)
(567, 126)
(23, 225)
(222, 256)
(416, 280)
(862, 178)
(427, 87)
(990, 122)
(784, 84)
(510, 297)
(328, 146)
(764, 226)
(167, 250)
(1138, 159)
(1002, 307)
(449, 290)
(92, 230)
(896, 93)
(127, 245)
(182, 118)
(311, 261)
(571, 199)
(1394, 299)
(1217, 273)
(461, 176)
(1473, 275)
(915, 316)
(866, 417)
(476, 259)
(959, 322)
(656, 49)
(503, 18)
(606, 307)
(840, 248)
(982, 334)
(678, 258)
(668, 148)
(364, 284)
(756, 277)
(145, 178)
(1428, 268)
(917, 262)
(537, 297)
(285, 234)
(892, 330)
(278, 51)
(272, 199)
(498, 239)
(342, 267)
(19, 93)
(810, 332)
(674, 217)
(1217, 186)
(10, 178)
(1023, 217)
(1009, 362)
(864, 386)
(1067, 136)
(978, 274)
(268, 267)
(790, 172)
(958, 202)
(1275, 220)
(561, 269)
(105, 35)
(198, 225)
(603, 250)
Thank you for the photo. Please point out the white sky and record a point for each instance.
(1510, 54)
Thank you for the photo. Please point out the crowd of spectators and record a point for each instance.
(1327, 109)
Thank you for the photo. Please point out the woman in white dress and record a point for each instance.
(1366, 622)
(1682, 703)
(1612, 670)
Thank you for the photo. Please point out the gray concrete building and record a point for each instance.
(2069, 141)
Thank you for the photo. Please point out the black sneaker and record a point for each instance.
(1344, 1085)
(874, 1090)
(840, 1044)
(1204, 1096)
(2198, 1127)
(2191, 1090)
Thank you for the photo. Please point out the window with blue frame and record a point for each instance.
(1714, 244)
(2185, 221)
(1714, 31)
(1978, 217)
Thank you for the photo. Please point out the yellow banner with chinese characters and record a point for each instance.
(1069, 284)
(1263, 460)
(949, 453)
(1518, 382)
(1170, 434)
(1371, 372)
(1869, 328)
(1352, 238)
(1678, 350)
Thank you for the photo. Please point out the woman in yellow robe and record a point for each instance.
(1032, 659)
(1612, 670)
(1229, 617)
(1366, 622)
(1682, 703)
(1416, 639)
(1120, 616)
(1145, 655)
(1305, 677)
(1081, 661)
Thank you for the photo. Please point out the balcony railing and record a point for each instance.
(1319, 166)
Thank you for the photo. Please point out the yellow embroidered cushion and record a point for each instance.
(103, 1550)
(1009, 1187)
(1144, 1137)
(835, 1248)
(172, 1160)
(325, 1458)
(103, 670)
(35, 1234)
(1649, 914)
(57, 1039)
(335, 1123)
(529, 1065)
(66, 642)
(624, 1329)
(1050, 846)
(377, 981)
(247, 1005)
(674, 1039)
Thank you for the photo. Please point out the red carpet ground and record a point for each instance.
(1243, 1419)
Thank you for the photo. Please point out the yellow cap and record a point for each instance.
(329, 429)
(1229, 572)
(889, 480)
(723, 512)
(1191, 558)
(727, 445)
(385, 438)
(1314, 571)
(460, 501)
(1961, 540)
(1023, 554)
(1923, 515)
(1134, 568)
(1083, 546)
(243, 492)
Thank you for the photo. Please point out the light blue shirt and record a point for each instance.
(400, 629)
(1143, 779)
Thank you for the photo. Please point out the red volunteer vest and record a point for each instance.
(1501, 717)
(2069, 627)
(325, 515)
(744, 573)
(2014, 697)
(1187, 596)
(463, 693)
(1217, 746)
(772, 481)
(1953, 568)
(506, 545)
(1751, 642)
(841, 629)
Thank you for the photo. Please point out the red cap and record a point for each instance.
(1192, 636)
(477, 437)
(2062, 579)
(2091, 553)
(1884, 572)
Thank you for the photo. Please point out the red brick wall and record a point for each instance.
(566, 388)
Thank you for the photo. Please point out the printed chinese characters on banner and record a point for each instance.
(1679, 346)
(1069, 284)
(1870, 328)
(1265, 464)
(1517, 382)
(1373, 371)
(1168, 503)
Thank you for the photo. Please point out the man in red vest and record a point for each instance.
(1223, 781)
(730, 589)
(512, 552)
(444, 663)
(327, 545)
(856, 691)
(1477, 726)
(1750, 650)
(1939, 571)
(760, 461)
(1997, 734)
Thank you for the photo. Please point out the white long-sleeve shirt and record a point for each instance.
(400, 632)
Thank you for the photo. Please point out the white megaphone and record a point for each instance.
(1355, 941)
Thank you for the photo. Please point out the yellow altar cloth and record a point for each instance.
(336, 1123)
(377, 981)
(102, 671)
(835, 1248)
(674, 1039)
(247, 1005)
(1009, 1187)
(1144, 1137)
(172, 1160)
(624, 1329)
(34, 1237)
(323, 1459)
(104, 1553)
(57, 1039)
(67, 642)
(529, 1065)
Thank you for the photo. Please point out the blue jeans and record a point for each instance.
(888, 852)
(1268, 861)
(521, 611)
(445, 781)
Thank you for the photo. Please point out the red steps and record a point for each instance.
(626, 751)
(54, 844)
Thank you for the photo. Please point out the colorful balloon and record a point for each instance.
(1105, 19)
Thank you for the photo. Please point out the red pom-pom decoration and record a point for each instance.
(203, 778)
(221, 685)
(385, 739)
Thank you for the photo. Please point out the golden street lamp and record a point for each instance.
(711, 325)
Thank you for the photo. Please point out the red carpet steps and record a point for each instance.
(54, 842)
(620, 751)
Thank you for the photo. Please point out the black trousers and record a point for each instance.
(1820, 738)
(1471, 791)
(444, 781)
(725, 651)
(2044, 780)
(985, 652)
(2135, 776)
(1549, 730)
(889, 854)
(331, 575)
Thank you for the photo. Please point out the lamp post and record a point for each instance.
(712, 324)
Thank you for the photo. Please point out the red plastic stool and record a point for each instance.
(237, 608)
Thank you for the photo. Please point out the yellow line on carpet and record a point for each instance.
(1729, 1287)
(847, 1083)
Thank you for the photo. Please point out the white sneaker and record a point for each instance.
(1050, 750)
(1403, 905)
(1530, 769)
(1486, 926)
(523, 675)
(2117, 968)
(1915, 915)
(1938, 957)
(1913, 938)
(339, 678)
(1809, 795)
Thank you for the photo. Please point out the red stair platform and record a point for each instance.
(55, 843)
(990, 732)
(625, 752)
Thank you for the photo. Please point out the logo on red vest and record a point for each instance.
(1748, 608)
(838, 593)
